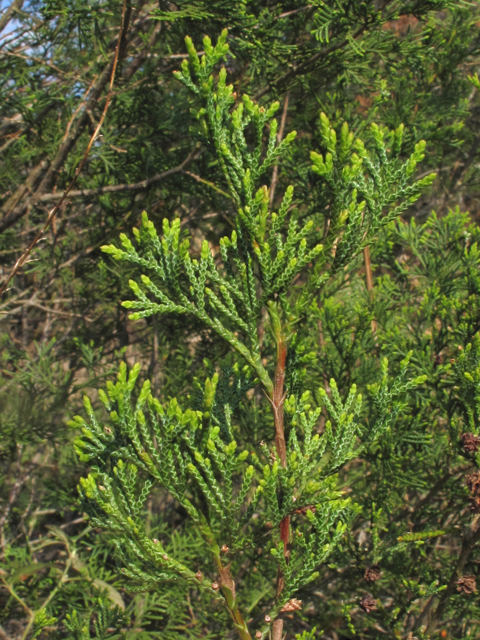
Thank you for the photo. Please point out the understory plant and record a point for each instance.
(259, 456)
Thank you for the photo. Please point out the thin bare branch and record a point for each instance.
(54, 211)
(368, 275)
(9, 13)
(279, 139)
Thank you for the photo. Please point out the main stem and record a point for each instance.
(369, 277)
(239, 622)
(227, 584)
(277, 400)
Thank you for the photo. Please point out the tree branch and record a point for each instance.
(118, 188)
(12, 214)
(369, 277)
(279, 139)
(8, 15)
(63, 153)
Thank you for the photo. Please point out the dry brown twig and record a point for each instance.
(21, 261)
(368, 274)
(137, 186)
(279, 139)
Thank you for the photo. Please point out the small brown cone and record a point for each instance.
(473, 483)
(470, 442)
(292, 605)
(475, 504)
(466, 584)
(372, 574)
(368, 604)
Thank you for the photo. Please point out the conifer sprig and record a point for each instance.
(236, 494)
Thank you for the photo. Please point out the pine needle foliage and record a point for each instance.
(268, 270)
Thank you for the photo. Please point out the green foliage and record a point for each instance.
(183, 450)
(106, 617)
(352, 172)
(299, 430)
(267, 247)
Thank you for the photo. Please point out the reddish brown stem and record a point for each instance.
(279, 139)
(368, 273)
(277, 401)
(227, 584)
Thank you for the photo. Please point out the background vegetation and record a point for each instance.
(63, 330)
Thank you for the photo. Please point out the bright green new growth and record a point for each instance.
(241, 495)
